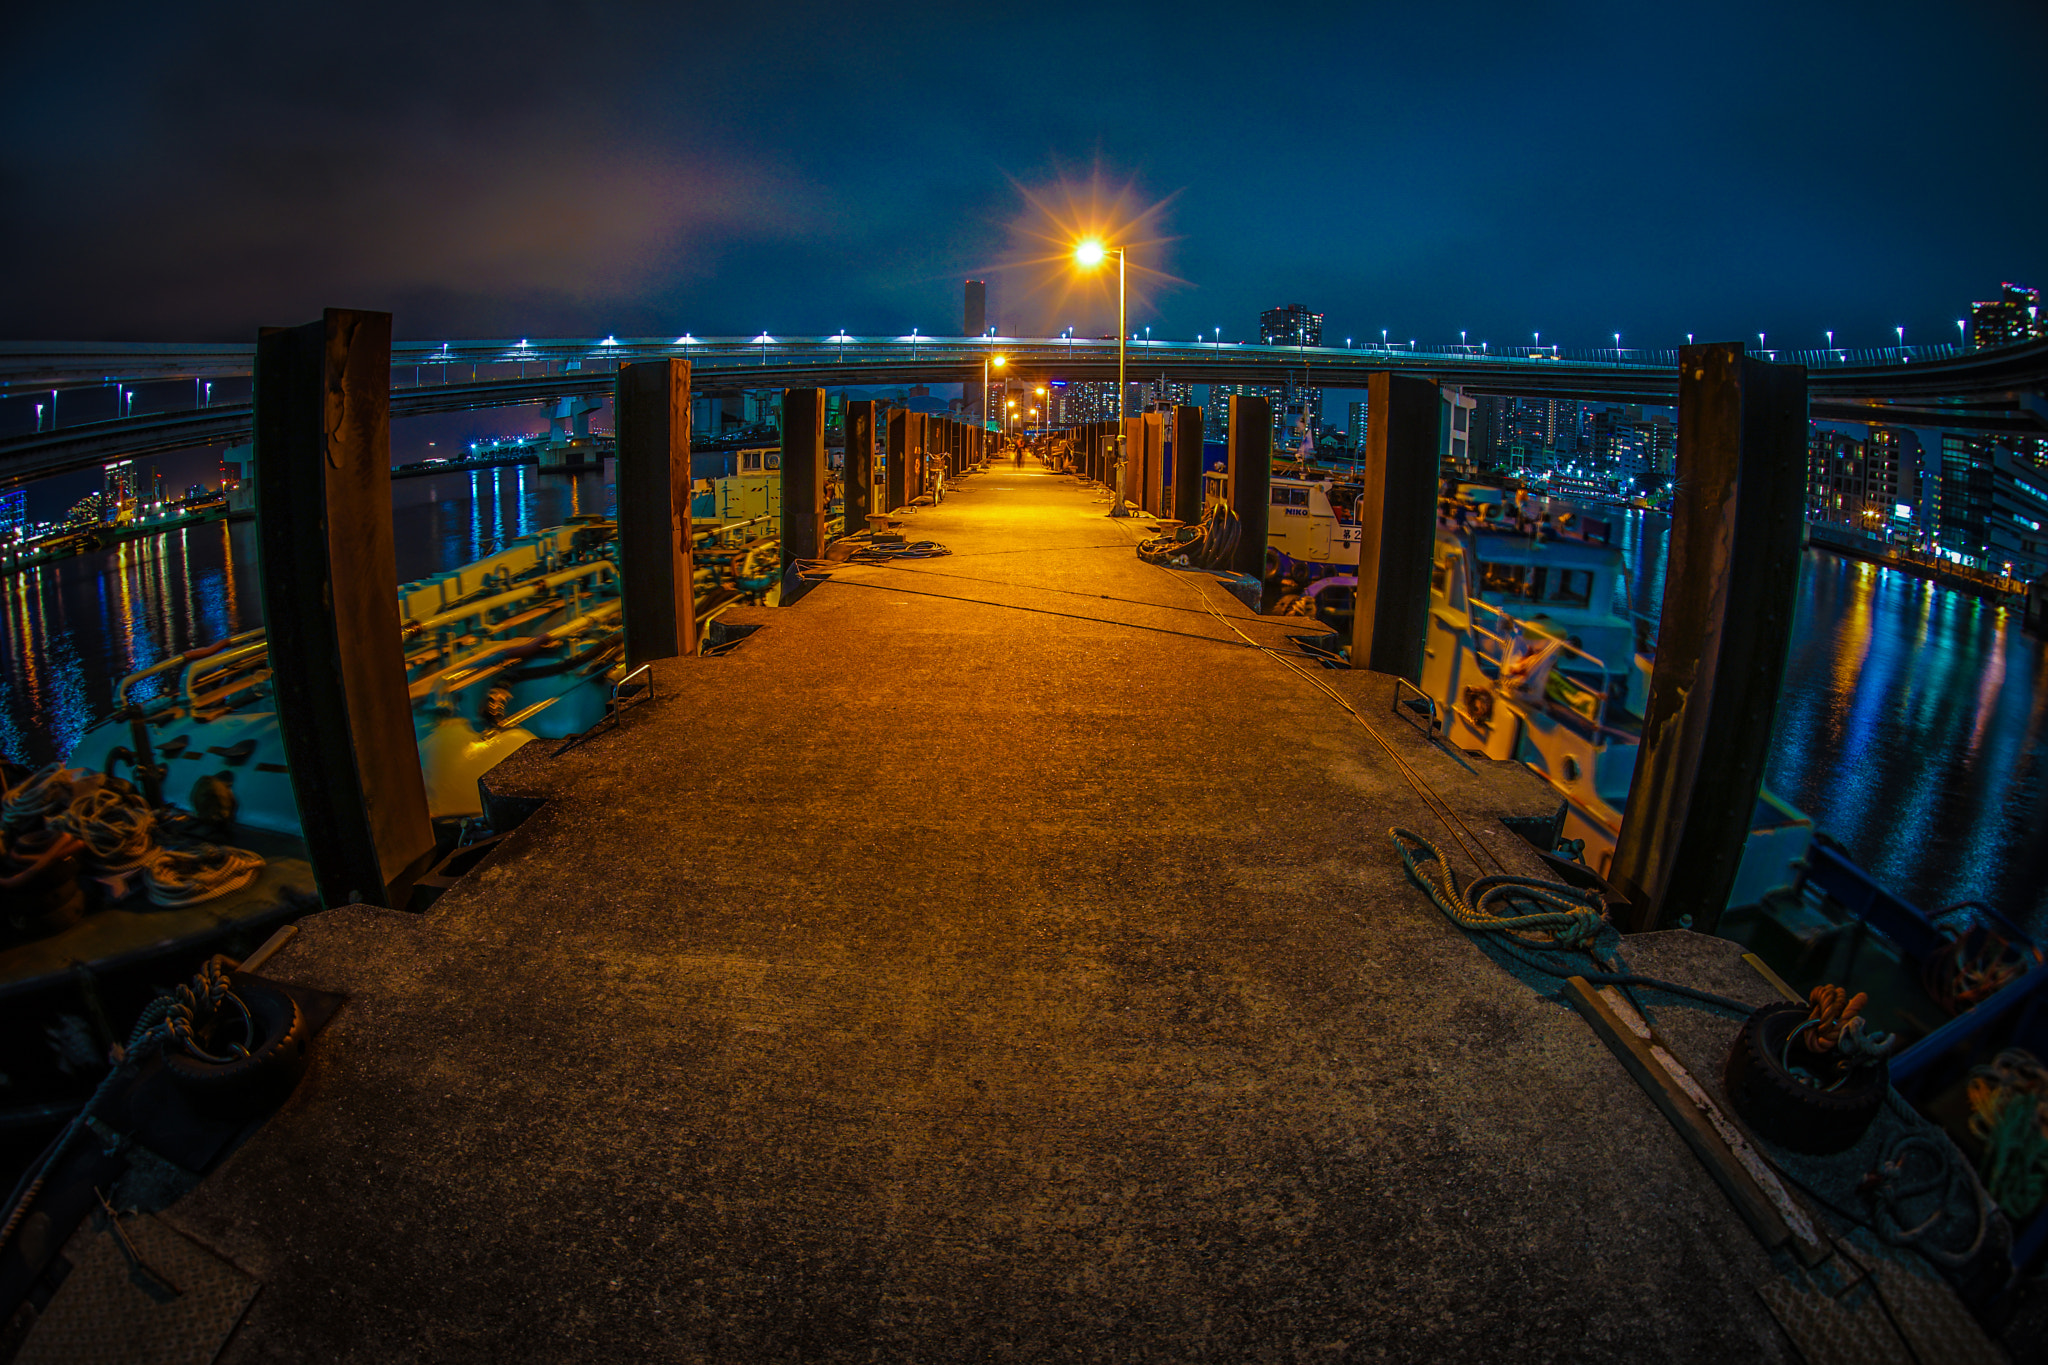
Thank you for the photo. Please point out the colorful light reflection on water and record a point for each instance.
(1911, 725)
(71, 630)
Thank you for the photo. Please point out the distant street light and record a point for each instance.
(986, 361)
(1961, 337)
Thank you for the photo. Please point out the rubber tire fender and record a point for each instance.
(1785, 1109)
(280, 1047)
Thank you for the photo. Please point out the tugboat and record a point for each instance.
(1528, 659)
(515, 646)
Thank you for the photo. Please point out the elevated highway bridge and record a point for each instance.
(2003, 391)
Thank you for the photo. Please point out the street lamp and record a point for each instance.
(1962, 338)
(1089, 253)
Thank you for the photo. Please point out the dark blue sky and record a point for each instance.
(535, 169)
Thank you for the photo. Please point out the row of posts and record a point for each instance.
(330, 589)
(1729, 597)
(329, 576)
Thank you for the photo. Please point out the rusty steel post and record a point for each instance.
(1396, 516)
(658, 601)
(896, 493)
(803, 475)
(1723, 637)
(1187, 464)
(1251, 480)
(857, 478)
(330, 604)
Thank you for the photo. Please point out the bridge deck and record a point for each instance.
(990, 957)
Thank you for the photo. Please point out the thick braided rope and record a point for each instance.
(1575, 921)
(114, 826)
(37, 796)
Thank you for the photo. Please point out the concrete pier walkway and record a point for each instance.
(992, 957)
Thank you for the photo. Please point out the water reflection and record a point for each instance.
(70, 631)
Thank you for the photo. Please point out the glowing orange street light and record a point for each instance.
(1089, 253)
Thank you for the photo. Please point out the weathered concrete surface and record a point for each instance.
(932, 979)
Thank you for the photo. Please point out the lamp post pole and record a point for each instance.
(1122, 327)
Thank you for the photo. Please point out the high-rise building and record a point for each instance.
(1291, 325)
(974, 317)
(1357, 424)
(1994, 506)
(13, 513)
(1893, 467)
(2014, 316)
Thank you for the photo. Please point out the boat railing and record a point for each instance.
(463, 612)
(176, 661)
(230, 663)
(1587, 703)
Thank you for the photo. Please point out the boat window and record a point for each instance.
(1512, 580)
(1290, 497)
(1573, 588)
(750, 460)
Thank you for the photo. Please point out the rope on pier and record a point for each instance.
(168, 1020)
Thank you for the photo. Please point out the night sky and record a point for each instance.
(512, 169)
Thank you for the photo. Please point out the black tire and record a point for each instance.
(277, 1057)
(1785, 1109)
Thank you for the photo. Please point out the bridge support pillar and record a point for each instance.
(330, 602)
(1396, 516)
(1251, 480)
(803, 480)
(657, 565)
(1187, 465)
(1725, 631)
(858, 476)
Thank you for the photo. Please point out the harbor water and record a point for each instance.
(1911, 724)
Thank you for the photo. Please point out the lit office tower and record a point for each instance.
(2014, 316)
(1292, 325)
(13, 513)
(1895, 453)
(1355, 424)
(1994, 508)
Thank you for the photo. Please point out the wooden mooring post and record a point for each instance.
(803, 479)
(1187, 464)
(330, 604)
(893, 495)
(657, 564)
(1396, 516)
(857, 481)
(1251, 480)
(1722, 639)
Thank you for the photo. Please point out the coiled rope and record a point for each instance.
(166, 1021)
(114, 826)
(37, 797)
